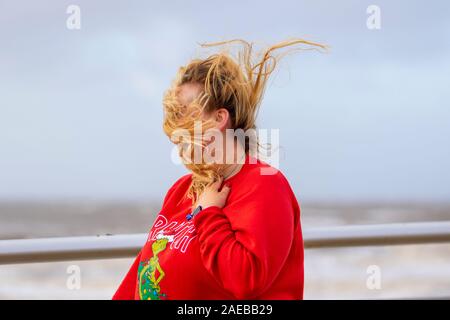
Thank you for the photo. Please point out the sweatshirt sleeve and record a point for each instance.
(245, 245)
(127, 287)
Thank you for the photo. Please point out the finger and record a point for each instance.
(225, 190)
(216, 185)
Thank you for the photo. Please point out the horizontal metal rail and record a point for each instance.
(378, 235)
(123, 246)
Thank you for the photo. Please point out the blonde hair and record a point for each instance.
(236, 83)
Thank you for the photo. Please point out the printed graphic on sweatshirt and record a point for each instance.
(183, 232)
(151, 273)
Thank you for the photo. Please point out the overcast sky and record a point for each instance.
(80, 110)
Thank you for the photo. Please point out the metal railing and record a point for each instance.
(122, 246)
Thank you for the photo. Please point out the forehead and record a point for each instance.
(188, 92)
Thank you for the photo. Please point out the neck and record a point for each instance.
(235, 161)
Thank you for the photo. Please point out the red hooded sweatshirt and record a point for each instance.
(250, 249)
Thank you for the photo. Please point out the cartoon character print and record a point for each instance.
(150, 272)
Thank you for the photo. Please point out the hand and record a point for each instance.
(213, 197)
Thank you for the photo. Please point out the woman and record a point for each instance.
(230, 229)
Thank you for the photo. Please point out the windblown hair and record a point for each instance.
(236, 83)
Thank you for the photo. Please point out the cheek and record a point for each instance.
(207, 116)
